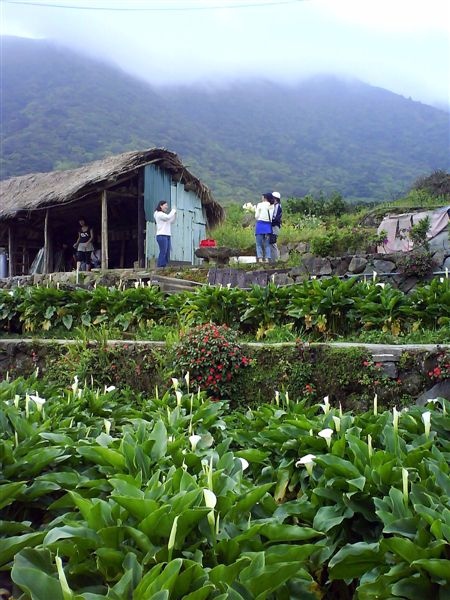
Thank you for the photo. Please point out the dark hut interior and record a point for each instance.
(28, 230)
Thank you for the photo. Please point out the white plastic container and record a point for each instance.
(3, 263)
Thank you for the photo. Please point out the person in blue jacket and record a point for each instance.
(263, 227)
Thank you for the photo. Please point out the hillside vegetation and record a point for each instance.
(61, 110)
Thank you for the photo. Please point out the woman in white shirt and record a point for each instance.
(163, 220)
(263, 227)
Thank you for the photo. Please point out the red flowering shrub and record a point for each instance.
(442, 369)
(213, 358)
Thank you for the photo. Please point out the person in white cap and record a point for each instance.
(276, 224)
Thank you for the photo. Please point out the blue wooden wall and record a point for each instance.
(190, 225)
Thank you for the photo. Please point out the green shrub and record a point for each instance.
(212, 356)
(416, 263)
(134, 367)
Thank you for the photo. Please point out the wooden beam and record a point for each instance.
(141, 226)
(104, 233)
(46, 265)
(11, 249)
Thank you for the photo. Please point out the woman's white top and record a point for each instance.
(163, 221)
(264, 211)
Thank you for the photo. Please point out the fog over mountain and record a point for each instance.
(61, 109)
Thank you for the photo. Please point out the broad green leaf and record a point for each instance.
(338, 466)
(253, 455)
(202, 594)
(159, 434)
(246, 503)
(353, 560)
(273, 577)
(34, 573)
(287, 533)
(102, 456)
(139, 508)
(287, 552)
(49, 312)
(404, 548)
(68, 321)
(9, 492)
(67, 531)
(228, 574)
(35, 461)
(359, 483)
(192, 577)
(405, 527)
(438, 568)
(328, 517)
(10, 546)
(413, 588)
(156, 581)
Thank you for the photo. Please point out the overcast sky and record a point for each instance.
(401, 45)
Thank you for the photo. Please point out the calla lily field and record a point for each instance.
(112, 494)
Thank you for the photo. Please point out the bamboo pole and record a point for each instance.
(105, 259)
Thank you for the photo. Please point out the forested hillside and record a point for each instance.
(60, 110)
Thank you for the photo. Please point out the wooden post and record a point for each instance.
(105, 259)
(46, 265)
(11, 244)
(140, 220)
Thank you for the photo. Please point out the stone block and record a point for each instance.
(384, 266)
(439, 390)
(357, 264)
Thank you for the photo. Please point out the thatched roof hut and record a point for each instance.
(43, 205)
(41, 190)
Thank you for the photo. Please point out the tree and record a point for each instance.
(436, 184)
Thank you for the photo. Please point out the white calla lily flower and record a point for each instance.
(395, 416)
(426, 418)
(75, 384)
(109, 388)
(179, 395)
(326, 434)
(337, 423)
(210, 498)
(38, 401)
(306, 461)
(107, 425)
(194, 439)
(405, 485)
(326, 405)
(244, 463)
(175, 383)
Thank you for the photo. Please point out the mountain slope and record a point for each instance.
(61, 110)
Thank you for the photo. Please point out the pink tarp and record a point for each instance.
(397, 227)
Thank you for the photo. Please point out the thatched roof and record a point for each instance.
(39, 190)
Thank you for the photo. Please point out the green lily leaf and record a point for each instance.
(9, 492)
(9, 547)
(34, 572)
(353, 560)
(438, 568)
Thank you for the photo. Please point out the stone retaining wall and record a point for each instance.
(409, 365)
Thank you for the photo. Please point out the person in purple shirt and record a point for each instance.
(263, 227)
